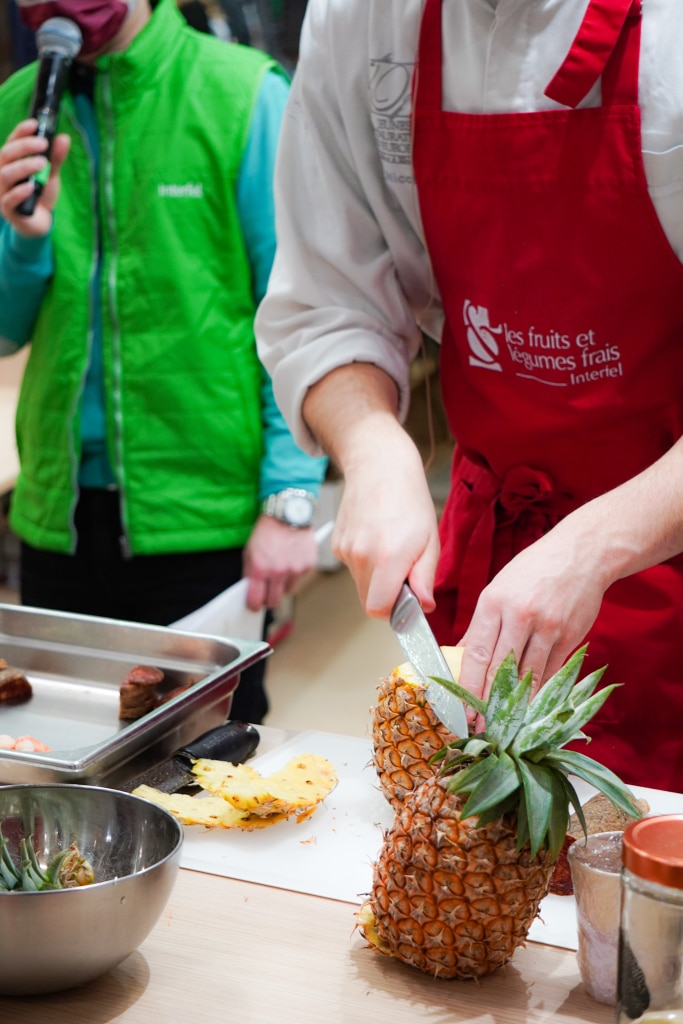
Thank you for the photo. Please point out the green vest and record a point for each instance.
(182, 378)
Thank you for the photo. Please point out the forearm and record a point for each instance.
(636, 525)
(350, 411)
(386, 530)
(543, 603)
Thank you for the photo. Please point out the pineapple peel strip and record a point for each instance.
(255, 801)
(302, 783)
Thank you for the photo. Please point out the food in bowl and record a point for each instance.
(56, 939)
(66, 869)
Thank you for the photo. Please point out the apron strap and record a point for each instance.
(427, 99)
(620, 78)
(600, 35)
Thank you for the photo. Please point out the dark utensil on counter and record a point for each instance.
(233, 742)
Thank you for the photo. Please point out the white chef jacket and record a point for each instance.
(351, 279)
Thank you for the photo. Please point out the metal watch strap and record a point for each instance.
(275, 505)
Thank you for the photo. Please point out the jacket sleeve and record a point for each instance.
(284, 464)
(334, 296)
(26, 266)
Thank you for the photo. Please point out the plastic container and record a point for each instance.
(650, 971)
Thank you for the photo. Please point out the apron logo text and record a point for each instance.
(550, 357)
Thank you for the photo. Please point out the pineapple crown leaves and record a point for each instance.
(29, 876)
(517, 765)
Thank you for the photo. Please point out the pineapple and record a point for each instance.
(245, 799)
(67, 869)
(297, 788)
(406, 733)
(472, 849)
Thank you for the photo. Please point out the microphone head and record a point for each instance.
(59, 35)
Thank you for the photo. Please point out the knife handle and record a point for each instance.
(234, 742)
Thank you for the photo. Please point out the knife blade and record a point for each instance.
(423, 652)
(233, 742)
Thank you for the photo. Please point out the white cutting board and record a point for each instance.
(331, 853)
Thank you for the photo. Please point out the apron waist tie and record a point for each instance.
(525, 499)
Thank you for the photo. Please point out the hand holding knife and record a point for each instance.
(423, 652)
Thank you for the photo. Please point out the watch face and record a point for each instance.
(298, 511)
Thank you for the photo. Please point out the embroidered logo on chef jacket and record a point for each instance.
(390, 113)
(549, 357)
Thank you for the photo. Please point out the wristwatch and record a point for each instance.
(292, 506)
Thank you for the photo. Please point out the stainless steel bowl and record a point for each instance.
(53, 940)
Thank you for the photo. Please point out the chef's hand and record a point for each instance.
(275, 558)
(541, 605)
(23, 154)
(386, 529)
(544, 602)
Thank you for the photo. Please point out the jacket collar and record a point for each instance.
(144, 61)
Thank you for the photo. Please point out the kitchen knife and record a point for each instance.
(423, 652)
(233, 742)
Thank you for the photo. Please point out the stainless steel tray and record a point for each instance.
(76, 663)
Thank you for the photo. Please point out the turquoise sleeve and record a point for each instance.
(26, 266)
(284, 464)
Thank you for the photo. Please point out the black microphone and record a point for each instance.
(59, 40)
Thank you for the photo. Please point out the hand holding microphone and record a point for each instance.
(59, 41)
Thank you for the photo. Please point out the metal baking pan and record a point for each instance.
(76, 663)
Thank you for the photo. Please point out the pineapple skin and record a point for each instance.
(405, 734)
(448, 898)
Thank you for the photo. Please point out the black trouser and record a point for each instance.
(100, 580)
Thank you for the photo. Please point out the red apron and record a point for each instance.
(561, 356)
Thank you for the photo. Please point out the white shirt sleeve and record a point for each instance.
(334, 296)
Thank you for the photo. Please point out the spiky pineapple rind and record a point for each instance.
(450, 896)
(406, 734)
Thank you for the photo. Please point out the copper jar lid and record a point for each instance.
(653, 849)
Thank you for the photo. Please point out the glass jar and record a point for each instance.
(595, 864)
(650, 970)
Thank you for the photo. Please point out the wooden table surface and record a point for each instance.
(226, 951)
